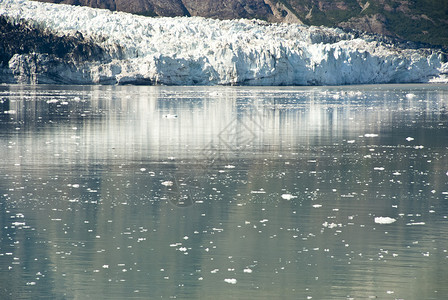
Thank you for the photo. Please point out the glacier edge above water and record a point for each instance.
(198, 51)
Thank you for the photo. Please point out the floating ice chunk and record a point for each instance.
(317, 205)
(142, 169)
(261, 191)
(370, 135)
(214, 271)
(170, 116)
(329, 225)
(229, 166)
(351, 141)
(183, 249)
(230, 280)
(167, 183)
(384, 220)
(18, 223)
(288, 196)
(75, 185)
(10, 112)
(247, 270)
(410, 96)
(379, 168)
(409, 139)
(415, 223)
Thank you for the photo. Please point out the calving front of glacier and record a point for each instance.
(193, 50)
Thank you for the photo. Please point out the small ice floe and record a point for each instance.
(18, 223)
(260, 191)
(229, 166)
(415, 223)
(390, 292)
(330, 225)
(10, 112)
(378, 168)
(410, 96)
(142, 169)
(170, 116)
(370, 135)
(230, 280)
(247, 270)
(317, 205)
(288, 196)
(409, 139)
(351, 141)
(384, 220)
(167, 183)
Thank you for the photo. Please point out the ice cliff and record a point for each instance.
(192, 50)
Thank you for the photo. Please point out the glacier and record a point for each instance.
(200, 51)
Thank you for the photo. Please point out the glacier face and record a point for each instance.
(194, 50)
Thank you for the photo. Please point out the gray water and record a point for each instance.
(224, 192)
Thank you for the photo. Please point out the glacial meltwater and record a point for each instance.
(127, 192)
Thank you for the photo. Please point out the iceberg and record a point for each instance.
(133, 49)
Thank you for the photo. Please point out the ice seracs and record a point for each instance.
(191, 51)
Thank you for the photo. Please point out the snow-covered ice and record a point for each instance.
(194, 50)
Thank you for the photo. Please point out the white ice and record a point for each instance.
(384, 220)
(194, 50)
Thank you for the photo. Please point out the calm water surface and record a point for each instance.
(224, 192)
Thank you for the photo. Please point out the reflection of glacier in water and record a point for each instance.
(248, 192)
